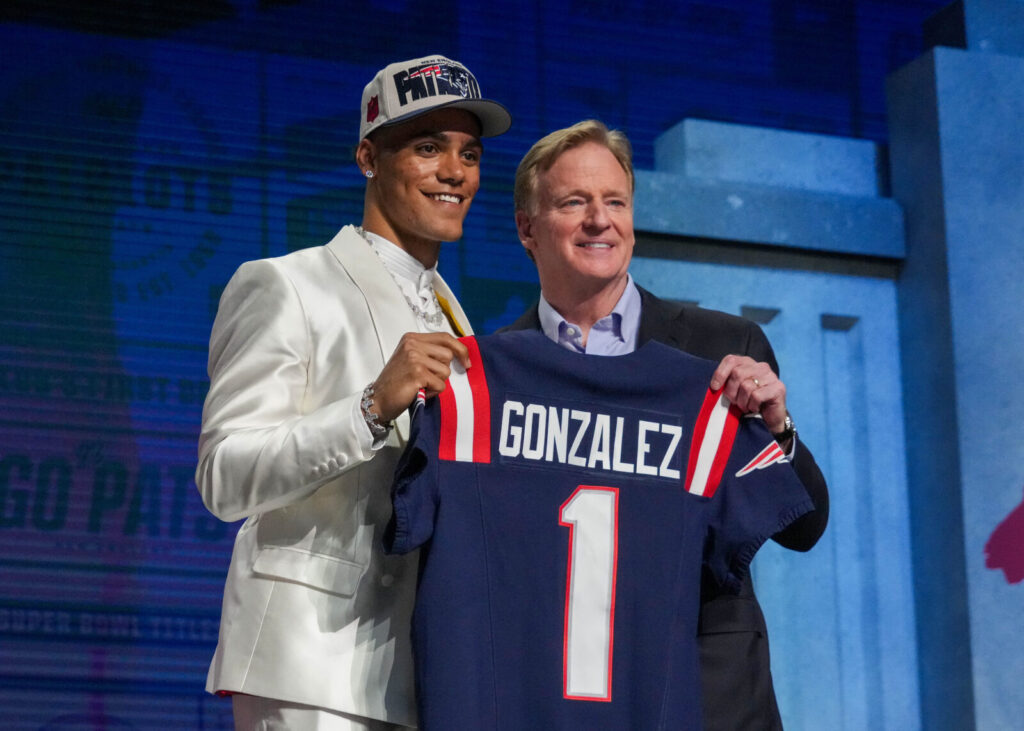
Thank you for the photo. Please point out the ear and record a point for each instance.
(525, 228)
(366, 156)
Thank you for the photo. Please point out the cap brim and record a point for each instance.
(494, 117)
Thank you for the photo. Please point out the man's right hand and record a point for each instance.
(421, 360)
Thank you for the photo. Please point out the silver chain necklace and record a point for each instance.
(435, 319)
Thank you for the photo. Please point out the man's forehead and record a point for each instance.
(556, 191)
(585, 174)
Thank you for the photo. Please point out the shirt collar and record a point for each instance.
(621, 325)
(400, 263)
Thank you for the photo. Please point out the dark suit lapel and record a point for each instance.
(663, 321)
(529, 320)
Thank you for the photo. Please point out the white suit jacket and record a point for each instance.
(313, 611)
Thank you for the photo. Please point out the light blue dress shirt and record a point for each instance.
(612, 335)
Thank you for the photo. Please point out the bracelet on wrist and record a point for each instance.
(377, 430)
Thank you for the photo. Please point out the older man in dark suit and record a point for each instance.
(574, 215)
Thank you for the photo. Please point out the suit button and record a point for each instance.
(387, 580)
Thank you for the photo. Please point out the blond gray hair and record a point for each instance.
(549, 148)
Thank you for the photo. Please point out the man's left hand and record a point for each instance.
(754, 388)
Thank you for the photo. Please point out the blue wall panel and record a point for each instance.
(956, 126)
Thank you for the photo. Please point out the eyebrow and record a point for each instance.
(587, 194)
(442, 137)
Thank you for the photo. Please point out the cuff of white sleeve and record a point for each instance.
(367, 443)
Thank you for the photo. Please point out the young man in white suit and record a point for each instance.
(314, 357)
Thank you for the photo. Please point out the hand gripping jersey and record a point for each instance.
(565, 504)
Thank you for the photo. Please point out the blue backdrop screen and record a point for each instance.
(145, 155)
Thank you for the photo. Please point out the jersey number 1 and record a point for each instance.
(591, 515)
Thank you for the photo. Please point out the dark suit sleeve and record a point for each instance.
(803, 533)
(735, 666)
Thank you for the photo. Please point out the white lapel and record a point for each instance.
(390, 315)
(441, 288)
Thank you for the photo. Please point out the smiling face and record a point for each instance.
(425, 174)
(579, 228)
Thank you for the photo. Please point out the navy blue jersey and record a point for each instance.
(565, 504)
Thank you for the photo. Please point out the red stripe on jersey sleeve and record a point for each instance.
(449, 423)
(481, 402)
(732, 423)
(699, 429)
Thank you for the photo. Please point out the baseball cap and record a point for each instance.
(407, 89)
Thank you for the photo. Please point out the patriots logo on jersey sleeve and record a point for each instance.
(713, 437)
(772, 454)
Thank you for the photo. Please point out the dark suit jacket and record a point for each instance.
(736, 678)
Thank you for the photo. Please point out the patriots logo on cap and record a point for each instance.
(458, 79)
(372, 109)
(772, 454)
